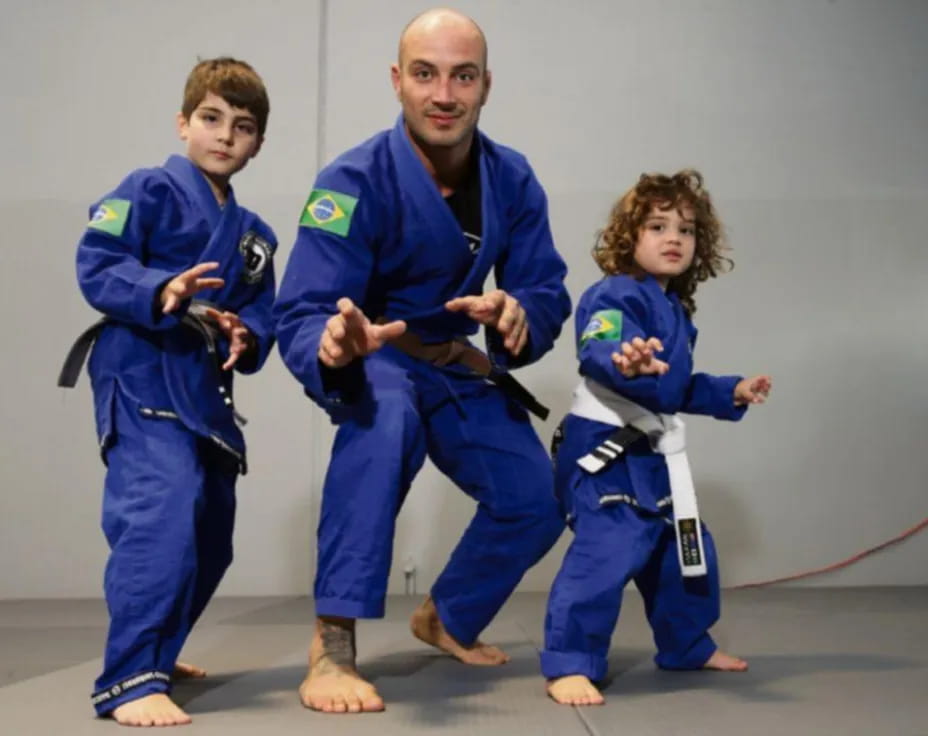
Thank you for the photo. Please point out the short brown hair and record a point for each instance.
(234, 81)
(614, 251)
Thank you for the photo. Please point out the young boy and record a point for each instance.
(621, 469)
(160, 371)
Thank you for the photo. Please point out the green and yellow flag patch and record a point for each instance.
(604, 325)
(329, 211)
(111, 216)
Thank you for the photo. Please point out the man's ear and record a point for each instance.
(395, 78)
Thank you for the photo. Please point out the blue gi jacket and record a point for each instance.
(617, 309)
(376, 229)
(156, 224)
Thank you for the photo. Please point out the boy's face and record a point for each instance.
(220, 138)
(666, 242)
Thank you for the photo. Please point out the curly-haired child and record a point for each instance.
(621, 469)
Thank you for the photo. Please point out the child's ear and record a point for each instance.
(182, 126)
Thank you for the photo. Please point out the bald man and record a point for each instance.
(383, 287)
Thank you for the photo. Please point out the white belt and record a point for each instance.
(667, 436)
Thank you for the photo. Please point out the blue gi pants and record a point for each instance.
(168, 515)
(477, 437)
(612, 545)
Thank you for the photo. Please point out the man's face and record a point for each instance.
(441, 82)
(220, 138)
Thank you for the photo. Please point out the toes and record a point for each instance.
(373, 703)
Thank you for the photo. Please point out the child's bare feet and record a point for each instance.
(156, 709)
(574, 690)
(725, 662)
(184, 671)
(333, 684)
(427, 626)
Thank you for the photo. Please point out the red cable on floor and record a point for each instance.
(838, 565)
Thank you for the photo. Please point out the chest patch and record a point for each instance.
(256, 254)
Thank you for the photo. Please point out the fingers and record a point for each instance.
(461, 303)
(387, 332)
(200, 269)
(169, 300)
(486, 309)
(331, 352)
(193, 283)
(238, 344)
(520, 338)
(636, 358)
(210, 283)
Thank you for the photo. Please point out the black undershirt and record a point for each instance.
(465, 205)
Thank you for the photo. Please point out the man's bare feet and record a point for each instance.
(333, 684)
(574, 690)
(725, 662)
(427, 626)
(184, 671)
(156, 709)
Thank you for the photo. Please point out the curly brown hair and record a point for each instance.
(614, 251)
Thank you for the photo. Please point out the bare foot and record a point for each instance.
(333, 684)
(574, 690)
(156, 709)
(427, 626)
(725, 662)
(184, 671)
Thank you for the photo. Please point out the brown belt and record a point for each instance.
(459, 351)
(444, 353)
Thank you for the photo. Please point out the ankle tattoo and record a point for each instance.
(338, 645)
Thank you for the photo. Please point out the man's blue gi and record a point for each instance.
(620, 516)
(165, 423)
(376, 230)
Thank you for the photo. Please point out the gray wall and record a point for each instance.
(807, 118)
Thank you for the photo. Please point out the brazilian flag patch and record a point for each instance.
(329, 211)
(111, 216)
(604, 325)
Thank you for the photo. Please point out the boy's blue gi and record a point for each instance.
(166, 431)
(377, 230)
(620, 516)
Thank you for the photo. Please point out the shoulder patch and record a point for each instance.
(329, 211)
(604, 325)
(111, 216)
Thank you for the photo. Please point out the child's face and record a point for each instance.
(220, 138)
(666, 242)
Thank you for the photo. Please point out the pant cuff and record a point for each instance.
(562, 664)
(461, 634)
(349, 609)
(130, 688)
(693, 659)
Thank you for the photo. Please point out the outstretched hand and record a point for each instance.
(349, 334)
(499, 310)
(187, 284)
(752, 390)
(239, 336)
(637, 358)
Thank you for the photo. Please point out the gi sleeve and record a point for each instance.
(532, 272)
(713, 396)
(332, 258)
(111, 268)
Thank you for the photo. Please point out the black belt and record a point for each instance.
(508, 384)
(609, 450)
(77, 355)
